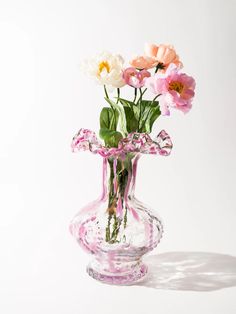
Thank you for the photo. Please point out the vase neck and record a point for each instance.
(119, 176)
(134, 173)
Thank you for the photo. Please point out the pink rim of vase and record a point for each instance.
(86, 140)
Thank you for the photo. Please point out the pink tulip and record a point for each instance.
(135, 78)
(176, 89)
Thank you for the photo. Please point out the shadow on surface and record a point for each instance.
(193, 271)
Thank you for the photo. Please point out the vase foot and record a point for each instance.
(136, 274)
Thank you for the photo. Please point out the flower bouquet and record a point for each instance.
(117, 228)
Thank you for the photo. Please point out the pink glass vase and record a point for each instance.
(117, 229)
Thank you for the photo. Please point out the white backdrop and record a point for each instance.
(45, 99)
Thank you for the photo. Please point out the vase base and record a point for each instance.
(128, 278)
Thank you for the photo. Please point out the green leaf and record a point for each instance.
(136, 110)
(131, 121)
(130, 110)
(108, 124)
(126, 103)
(109, 118)
(150, 102)
(154, 114)
(145, 104)
(111, 138)
(150, 111)
(121, 112)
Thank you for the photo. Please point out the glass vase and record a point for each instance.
(117, 229)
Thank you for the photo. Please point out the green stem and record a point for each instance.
(116, 229)
(118, 95)
(139, 103)
(125, 218)
(105, 90)
(141, 94)
(117, 101)
(159, 66)
(135, 95)
(108, 228)
(122, 172)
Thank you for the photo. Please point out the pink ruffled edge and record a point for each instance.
(86, 140)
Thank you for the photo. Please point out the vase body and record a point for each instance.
(117, 229)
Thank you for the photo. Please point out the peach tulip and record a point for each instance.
(143, 62)
(165, 54)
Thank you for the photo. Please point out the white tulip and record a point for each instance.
(106, 69)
